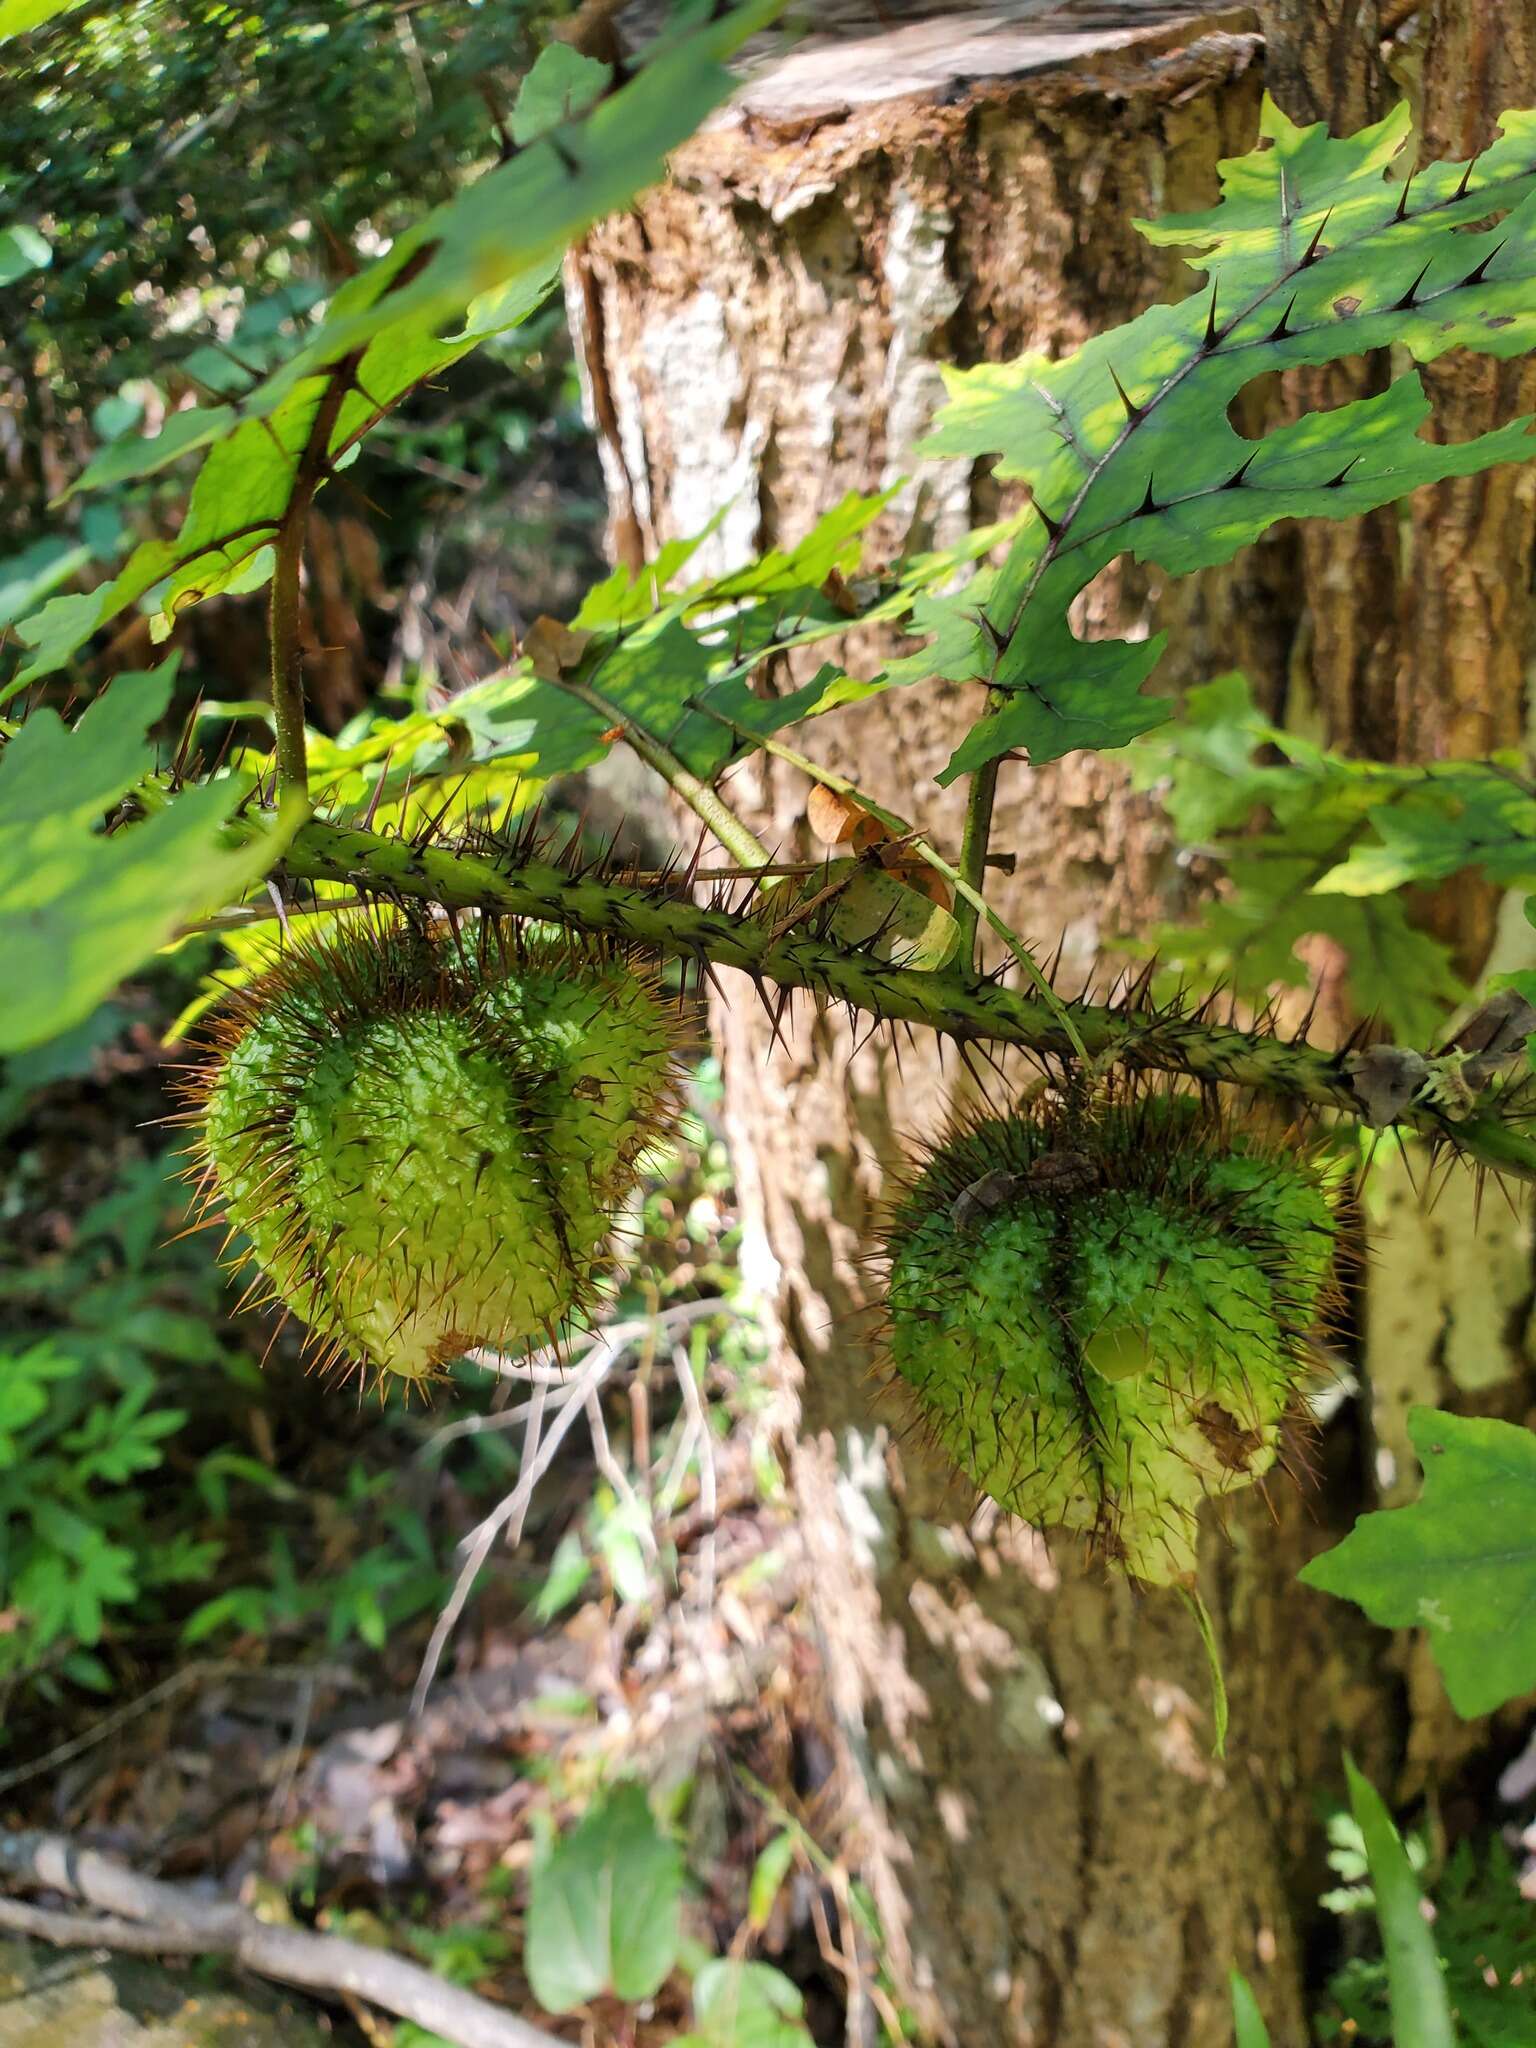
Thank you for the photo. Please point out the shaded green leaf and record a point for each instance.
(1481, 817)
(877, 913)
(768, 1875)
(1460, 1563)
(603, 1907)
(569, 1570)
(1217, 770)
(26, 579)
(745, 2005)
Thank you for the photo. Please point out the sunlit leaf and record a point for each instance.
(489, 255)
(22, 248)
(1127, 446)
(81, 908)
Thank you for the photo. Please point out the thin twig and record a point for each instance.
(677, 1471)
(293, 1753)
(577, 1389)
(204, 1672)
(509, 1514)
(552, 1367)
(477, 1548)
(693, 1401)
(707, 804)
(146, 1915)
(610, 1468)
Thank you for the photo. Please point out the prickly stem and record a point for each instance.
(956, 1001)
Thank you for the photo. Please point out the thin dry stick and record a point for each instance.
(293, 1754)
(538, 1454)
(708, 1499)
(857, 2027)
(677, 1471)
(478, 1425)
(617, 1477)
(204, 1672)
(539, 1449)
(550, 1368)
(144, 1915)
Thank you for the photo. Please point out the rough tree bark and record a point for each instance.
(1058, 1860)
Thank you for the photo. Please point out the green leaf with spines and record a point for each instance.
(1459, 1563)
(1481, 815)
(1127, 445)
(674, 662)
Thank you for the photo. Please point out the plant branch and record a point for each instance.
(707, 805)
(957, 1002)
(145, 1915)
(967, 889)
(283, 615)
(973, 851)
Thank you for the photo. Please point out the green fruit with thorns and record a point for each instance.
(425, 1134)
(1103, 1311)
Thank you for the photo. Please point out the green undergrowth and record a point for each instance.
(166, 1498)
(156, 1488)
(1484, 1933)
(166, 1490)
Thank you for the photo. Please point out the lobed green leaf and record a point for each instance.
(1128, 447)
(1460, 1563)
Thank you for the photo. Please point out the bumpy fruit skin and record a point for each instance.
(425, 1136)
(1102, 1313)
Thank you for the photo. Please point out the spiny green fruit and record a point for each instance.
(1102, 1311)
(424, 1134)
